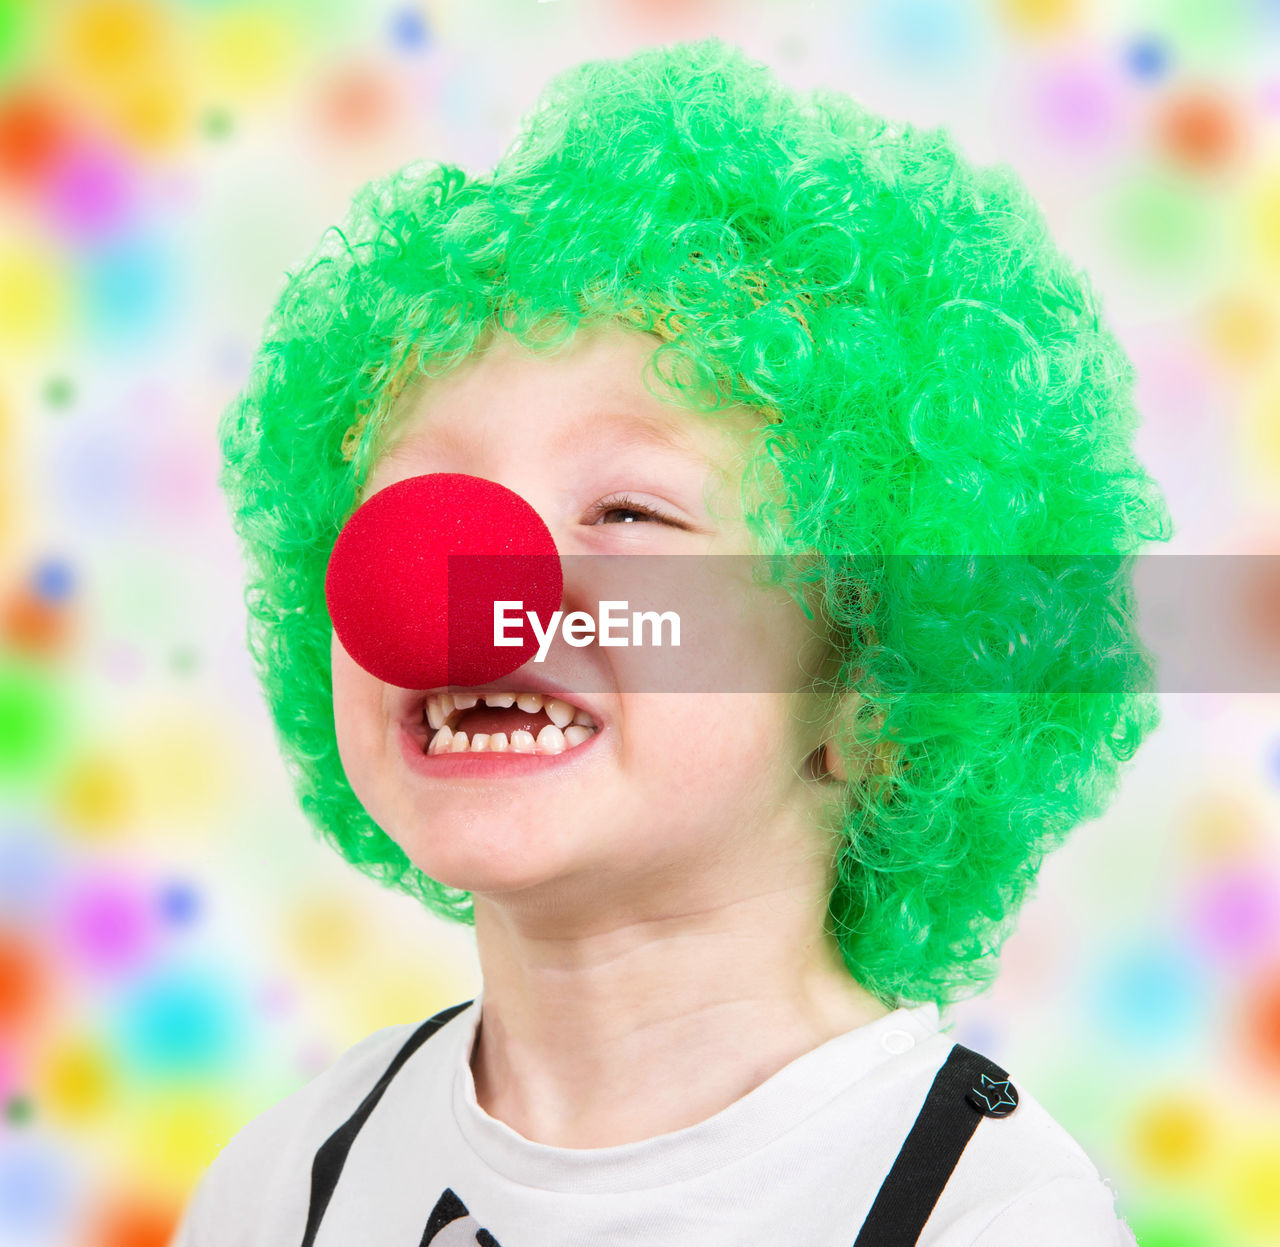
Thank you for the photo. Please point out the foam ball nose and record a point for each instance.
(415, 573)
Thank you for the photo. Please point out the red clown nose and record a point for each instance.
(415, 616)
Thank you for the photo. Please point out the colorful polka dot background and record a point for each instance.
(177, 953)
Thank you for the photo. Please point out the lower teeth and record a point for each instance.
(551, 740)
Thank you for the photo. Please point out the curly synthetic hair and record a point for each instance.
(936, 387)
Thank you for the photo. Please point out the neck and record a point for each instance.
(615, 1029)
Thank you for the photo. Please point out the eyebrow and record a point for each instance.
(626, 429)
(630, 429)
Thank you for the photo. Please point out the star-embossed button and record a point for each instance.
(993, 1097)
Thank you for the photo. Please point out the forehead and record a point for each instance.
(588, 393)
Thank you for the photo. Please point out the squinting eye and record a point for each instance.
(625, 503)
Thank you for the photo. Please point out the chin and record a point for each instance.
(487, 865)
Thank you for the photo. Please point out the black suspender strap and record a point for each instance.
(966, 1089)
(332, 1153)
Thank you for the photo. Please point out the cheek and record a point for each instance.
(355, 716)
(729, 749)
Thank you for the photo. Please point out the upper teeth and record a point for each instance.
(440, 706)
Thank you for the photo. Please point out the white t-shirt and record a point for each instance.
(797, 1162)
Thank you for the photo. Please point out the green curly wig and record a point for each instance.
(935, 385)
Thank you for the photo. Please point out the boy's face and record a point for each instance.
(680, 797)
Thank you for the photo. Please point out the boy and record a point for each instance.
(715, 930)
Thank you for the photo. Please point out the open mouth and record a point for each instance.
(501, 722)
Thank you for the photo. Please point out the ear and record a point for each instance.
(833, 767)
(828, 762)
(824, 762)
